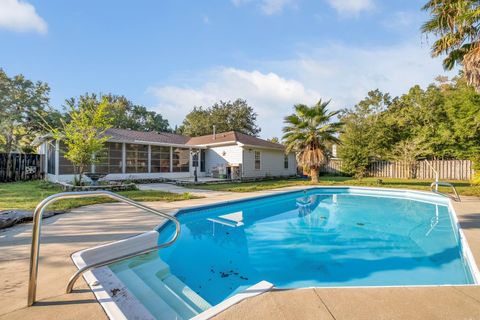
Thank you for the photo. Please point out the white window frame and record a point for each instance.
(259, 160)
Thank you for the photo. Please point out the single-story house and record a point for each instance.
(153, 155)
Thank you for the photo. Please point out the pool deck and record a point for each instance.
(89, 226)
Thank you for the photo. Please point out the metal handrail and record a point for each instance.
(37, 219)
(437, 183)
(434, 171)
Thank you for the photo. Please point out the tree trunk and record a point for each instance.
(314, 175)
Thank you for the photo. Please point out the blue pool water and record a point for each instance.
(324, 237)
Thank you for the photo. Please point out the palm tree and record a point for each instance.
(308, 132)
(455, 24)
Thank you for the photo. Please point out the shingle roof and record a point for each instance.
(233, 136)
(125, 135)
(158, 137)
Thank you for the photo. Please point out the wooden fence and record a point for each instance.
(20, 167)
(447, 169)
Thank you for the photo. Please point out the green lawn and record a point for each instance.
(26, 195)
(463, 187)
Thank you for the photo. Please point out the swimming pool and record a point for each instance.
(320, 237)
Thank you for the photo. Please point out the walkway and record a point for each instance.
(89, 226)
(167, 187)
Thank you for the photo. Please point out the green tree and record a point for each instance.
(83, 133)
(124, 113)
(274, 140)
(364, 135)
(225, 116)
(310, 131)
(22, 105)
(407, 153)
(455, 25)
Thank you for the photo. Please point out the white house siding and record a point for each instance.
(271, 163)
(220, 156)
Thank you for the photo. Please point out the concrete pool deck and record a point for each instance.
(89, 226)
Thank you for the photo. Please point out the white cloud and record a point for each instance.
(349, 7)
(20, 16)
(338, 72)
(268, 7)
(271, 95)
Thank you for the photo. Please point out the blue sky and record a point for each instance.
(172, 55)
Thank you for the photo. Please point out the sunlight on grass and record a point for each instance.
(26, 196)
(463, 187)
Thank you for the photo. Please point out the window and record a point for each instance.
(64, 165)
(160, 159)
(110, 160)
(285, 161)
(51, 157)
(137, 158)
(181, 160)
(257, 160)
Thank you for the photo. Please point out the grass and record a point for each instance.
(26, 196)
(463, 187)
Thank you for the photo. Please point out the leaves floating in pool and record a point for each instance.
(360, 224)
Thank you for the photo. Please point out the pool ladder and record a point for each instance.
(434, 186)
(37, 221)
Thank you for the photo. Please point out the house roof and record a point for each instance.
(234, 137)
(137, 136)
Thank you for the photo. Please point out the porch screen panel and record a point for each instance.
(160, 159)
(137, 158)
(110, 159)
(181, 160)
(64, 165)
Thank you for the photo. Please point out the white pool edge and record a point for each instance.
(97, 277)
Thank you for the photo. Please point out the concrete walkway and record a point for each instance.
(167, 187)
(89, 226)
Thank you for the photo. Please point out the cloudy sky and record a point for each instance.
(172, 55)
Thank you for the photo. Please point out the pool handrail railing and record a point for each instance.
(37, 221)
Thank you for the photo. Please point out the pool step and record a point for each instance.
(156, 274)
(181, 307)
(187, 294)
(144, 293)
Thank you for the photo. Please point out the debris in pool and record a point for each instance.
(212, 271)
(243, 278)
(114, 292)
(360, 224)
(323, 218)
(227, 232)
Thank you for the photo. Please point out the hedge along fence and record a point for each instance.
(447, 169)
(21, 167)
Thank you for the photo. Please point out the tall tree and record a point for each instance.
(124, 113)
(225, 116)
(310, 131)
(84, 133)
(22, 105)
(364, 135)
(455, 24)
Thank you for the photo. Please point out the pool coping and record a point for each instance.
(96, 277)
